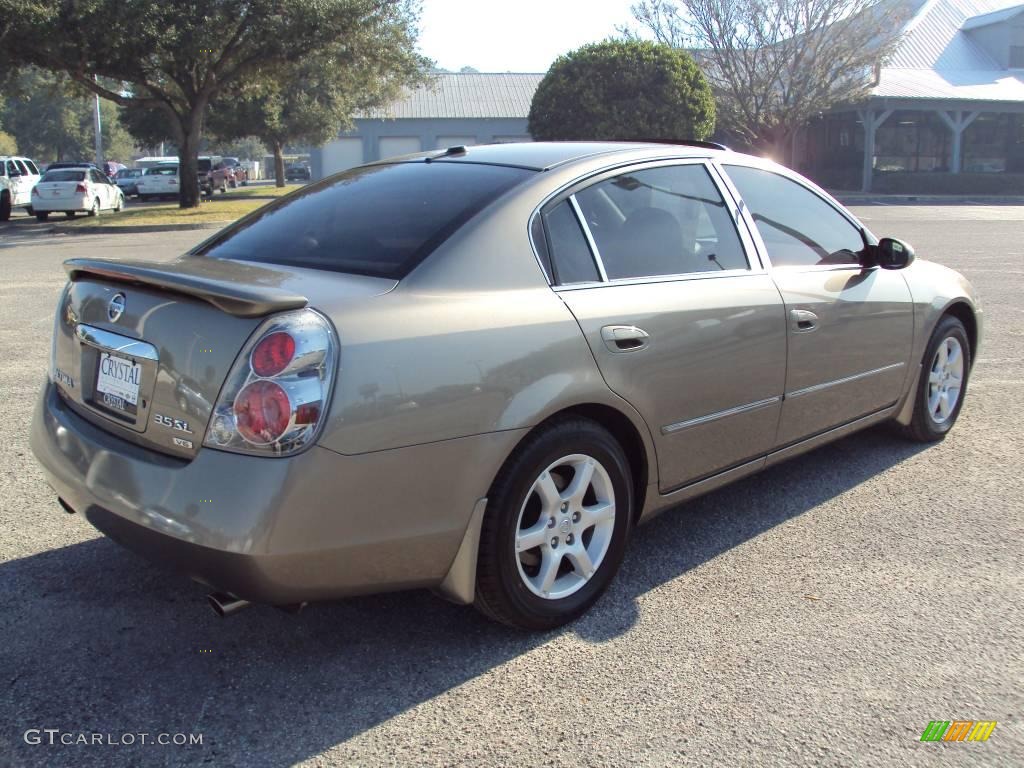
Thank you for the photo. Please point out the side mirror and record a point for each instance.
(891, 253)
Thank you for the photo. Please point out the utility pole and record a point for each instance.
(98, 128)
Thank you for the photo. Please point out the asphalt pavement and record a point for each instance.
(821, 613)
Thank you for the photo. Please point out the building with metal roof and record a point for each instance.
(454, 108)
(949, 99)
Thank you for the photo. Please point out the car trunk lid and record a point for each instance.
(142, 349)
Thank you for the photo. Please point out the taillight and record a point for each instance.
(274, 401)
(81, 188)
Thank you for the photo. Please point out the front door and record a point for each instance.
(682, 326)
(850, 329)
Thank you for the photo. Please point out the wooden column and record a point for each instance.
(872, 121)
(957, 121)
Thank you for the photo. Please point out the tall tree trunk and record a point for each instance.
(279, 163)
(188, 158)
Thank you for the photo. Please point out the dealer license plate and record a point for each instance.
(117, 383)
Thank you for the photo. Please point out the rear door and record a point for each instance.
(850, 328)
(682, 324)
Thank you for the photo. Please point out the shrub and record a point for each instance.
(949, 184)
(623, 90)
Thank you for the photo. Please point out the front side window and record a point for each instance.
(799, 228)
(661, 221)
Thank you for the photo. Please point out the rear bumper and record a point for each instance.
(77, 203)
(277, 530)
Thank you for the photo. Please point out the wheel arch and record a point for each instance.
(963, 312)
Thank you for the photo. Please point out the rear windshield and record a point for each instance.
(163, 170)
(64, 176)
(128, 173)
(379, 220)
(204, 164)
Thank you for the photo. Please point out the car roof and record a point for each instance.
(543, 155)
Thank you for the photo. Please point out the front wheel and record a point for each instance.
(5, 207)
(42, 215)
(943, 382)
(95, 210)
(554, 534)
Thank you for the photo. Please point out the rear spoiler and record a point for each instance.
(231, 286)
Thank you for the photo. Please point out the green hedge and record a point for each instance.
(949, 184)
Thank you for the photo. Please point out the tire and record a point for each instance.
(95, 210)
(5, 207)
(70, 214)
(933, 415)
(42, 215)
(511, 587)
(233, 184)
(30, 210)
(119, 204)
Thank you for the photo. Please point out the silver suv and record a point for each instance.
(17, 177)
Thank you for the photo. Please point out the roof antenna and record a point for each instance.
(459, 149)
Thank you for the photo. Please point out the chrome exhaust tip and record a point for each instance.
(225, 605)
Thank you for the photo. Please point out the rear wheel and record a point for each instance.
(943, 383)
(558, 518)
(42, 215)
(5, 207)
(119, 203)
(95, 210)
(70, 214)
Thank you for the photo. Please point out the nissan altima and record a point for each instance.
(476, 370)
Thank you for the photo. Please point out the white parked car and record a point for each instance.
(75, 190)
(159, 181)
(17, 177)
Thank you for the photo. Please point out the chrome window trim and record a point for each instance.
(681, 425)
(115, 342)
(595, 254)
(755, 260)
(683, 276)
(845, 380)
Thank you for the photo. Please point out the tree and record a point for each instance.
(774, 64)
(622, 90)
(178, 56)
(51, 118)
(310, 101)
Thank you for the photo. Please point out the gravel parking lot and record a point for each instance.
(821, 613)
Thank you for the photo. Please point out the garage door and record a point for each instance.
(443, 142)
(390, 146)
(341, 154)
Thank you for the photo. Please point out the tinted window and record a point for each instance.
(32, 168)
(661, 221)
(22, 167)
(380, 220)
(204, 164)
(798, 227)
(163, 170)
(64, 176)
(570, 255)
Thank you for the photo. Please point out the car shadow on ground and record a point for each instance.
(96, 640)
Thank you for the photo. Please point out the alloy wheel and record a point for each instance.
(565, 526)
(945, 380)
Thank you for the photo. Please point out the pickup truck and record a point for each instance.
(214, 175)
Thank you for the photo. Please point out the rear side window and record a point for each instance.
(62, 175)
(379, 220)
(567, 245)
(661, 221)
(799, 228)
(32, 168)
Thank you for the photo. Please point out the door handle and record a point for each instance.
(802, 321)
(624, 338)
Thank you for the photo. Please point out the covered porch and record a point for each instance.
(852, 148)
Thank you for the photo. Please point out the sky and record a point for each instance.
(514, 35)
